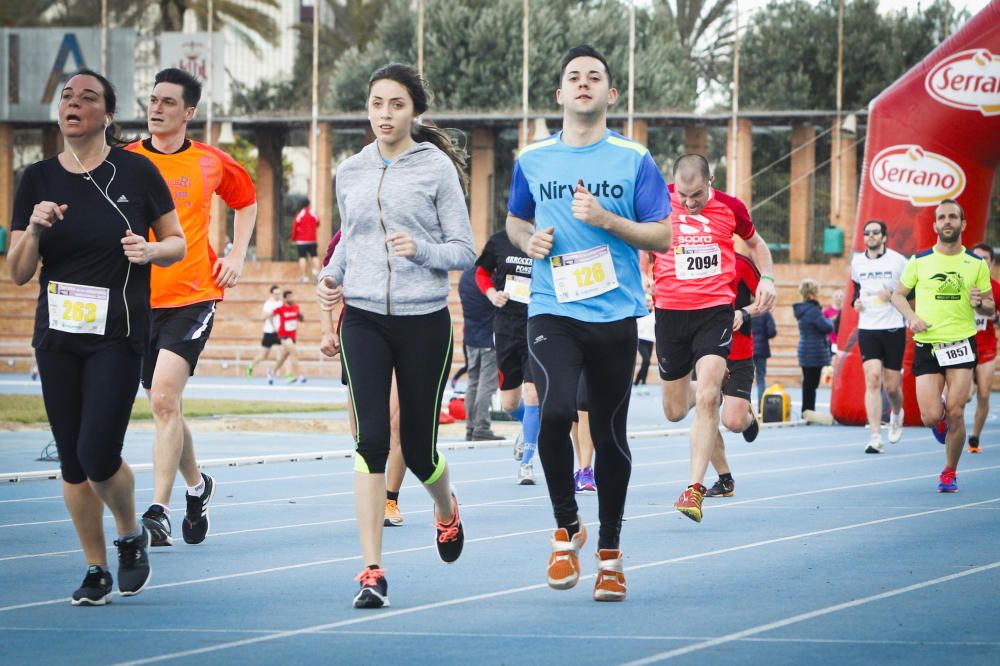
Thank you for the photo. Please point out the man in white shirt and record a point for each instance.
(881, 330)
(270, 336)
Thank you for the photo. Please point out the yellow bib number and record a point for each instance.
(77, 308)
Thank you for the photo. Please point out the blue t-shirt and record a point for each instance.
(624, 178)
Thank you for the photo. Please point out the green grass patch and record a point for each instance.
(30, 408)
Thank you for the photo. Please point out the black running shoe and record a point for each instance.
(722, 489)
(133, 563)
(158, 523)
(195, 525)
(95, 590)
(752, 430)
(374, 592)
(450, 537)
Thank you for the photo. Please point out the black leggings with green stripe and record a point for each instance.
(419, 349)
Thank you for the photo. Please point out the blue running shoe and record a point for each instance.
(948, 481)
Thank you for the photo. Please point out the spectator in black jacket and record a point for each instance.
(480, 357)
(814, 346)
(763, 329)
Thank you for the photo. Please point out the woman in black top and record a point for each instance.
(87, 214)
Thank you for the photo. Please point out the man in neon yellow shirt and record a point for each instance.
(951, 285)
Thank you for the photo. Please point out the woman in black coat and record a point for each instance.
(813, 349)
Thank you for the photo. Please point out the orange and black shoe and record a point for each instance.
(564, 562)
(374, 592)
(689, 503)
(610, 582)
(974, 444)
(450, 535)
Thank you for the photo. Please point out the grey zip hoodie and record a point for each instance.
(419, 194)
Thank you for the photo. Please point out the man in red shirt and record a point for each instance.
(288, 316)
(304, 236)
(737, 414)
(694, 308)
(986, 350)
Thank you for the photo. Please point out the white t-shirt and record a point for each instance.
(647, 327)
(271, 323)
(874, 276)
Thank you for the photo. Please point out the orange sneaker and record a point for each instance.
(689, 503)
(610, 582)
(564, 563)
(393, 517)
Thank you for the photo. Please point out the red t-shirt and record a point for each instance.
(745, 286)
(288, 320)
(304, 227)
(986, 338)
(697, 272)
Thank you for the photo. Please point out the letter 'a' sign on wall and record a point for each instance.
(39, 61)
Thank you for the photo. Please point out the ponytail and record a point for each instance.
(449, 146)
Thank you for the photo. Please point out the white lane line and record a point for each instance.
(515, 501)
(505, 635)
(802, 617)
(528, 588)
(836, 463)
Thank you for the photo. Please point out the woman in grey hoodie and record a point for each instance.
(405, 225)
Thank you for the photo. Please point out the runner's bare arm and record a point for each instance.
(169, 248)
(654, 236)
(23, 256)
(536, 243)
(917, 324)
(760, 253)
(982, 301)
(227, 270)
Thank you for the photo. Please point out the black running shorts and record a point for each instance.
(684, 336)
(926, 363)
(739, 379)
(886, 345)
(183, 331)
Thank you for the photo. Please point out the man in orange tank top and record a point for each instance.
(183, 296)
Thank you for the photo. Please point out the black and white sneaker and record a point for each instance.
(195, 525)
(158, 523)
(374, 592)
(450, 536)
(95, 590)
(133, 563)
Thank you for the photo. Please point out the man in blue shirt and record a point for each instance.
(582, 202)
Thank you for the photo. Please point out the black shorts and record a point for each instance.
(306, 250)
(926, 363)
(739, 379)
(684, 336)
(513, 360)
(269, 340)
(183, 331)
(886, 345)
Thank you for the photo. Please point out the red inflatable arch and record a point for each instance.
(933, 134)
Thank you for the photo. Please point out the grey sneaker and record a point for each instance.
(525, 475)
(519, 446)
(875, 444)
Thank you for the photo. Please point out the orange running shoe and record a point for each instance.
(393, 517)
(689, 503)
(610, 582)
(564, 563)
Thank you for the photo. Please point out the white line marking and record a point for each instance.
(802, 617)
(529, 588)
